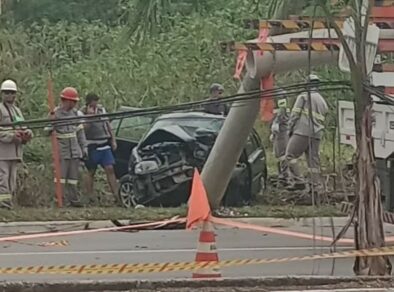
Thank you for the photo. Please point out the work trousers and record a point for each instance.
(8, 173)
(69, 175)
(297, 146)
(280, 143)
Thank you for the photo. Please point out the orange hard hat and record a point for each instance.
(69, 93)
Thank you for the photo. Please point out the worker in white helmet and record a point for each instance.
(11, 139)
(280, 134)
(306, 126)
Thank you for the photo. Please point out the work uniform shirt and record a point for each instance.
(300, 121)
(280, 133)
(71, 137)
(216, 108)
(9, 150)
(280, 122)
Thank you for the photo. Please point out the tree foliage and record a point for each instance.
(29, 11)
(176, 64)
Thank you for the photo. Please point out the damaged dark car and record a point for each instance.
(157, 170)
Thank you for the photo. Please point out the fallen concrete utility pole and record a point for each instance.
(225, 153)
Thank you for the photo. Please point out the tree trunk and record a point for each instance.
(369, 231)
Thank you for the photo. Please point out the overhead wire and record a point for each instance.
(292, 89)
(231, 98)
(122, 127)
(378, 93)
(311, 124)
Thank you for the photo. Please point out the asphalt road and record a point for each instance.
(170, 246)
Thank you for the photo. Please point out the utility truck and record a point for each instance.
(382, 132)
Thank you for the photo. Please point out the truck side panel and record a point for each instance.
(382, 131)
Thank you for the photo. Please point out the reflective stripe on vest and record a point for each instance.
(64, 181)
(282, 103)
(305, 112)
(69, 135)
(66, 135)
(7, 129)
(5, 197)
(15, 116)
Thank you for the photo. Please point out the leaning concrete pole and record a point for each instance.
(216, 173)
(225, 153)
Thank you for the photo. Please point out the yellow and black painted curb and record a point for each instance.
(383, 3)
(139, 268)
(54, 243)
(298, 25)
(60, 243)
(314, 46)
(347, 208)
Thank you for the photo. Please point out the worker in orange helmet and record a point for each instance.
(72, 145)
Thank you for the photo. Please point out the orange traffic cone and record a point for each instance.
(207, 252)
(199, 211)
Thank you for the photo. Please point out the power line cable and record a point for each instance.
(311, 124)
(292, 89)
(120, 115)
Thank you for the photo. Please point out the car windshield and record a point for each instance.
(190, 123)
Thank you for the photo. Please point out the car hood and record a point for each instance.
(173, 133)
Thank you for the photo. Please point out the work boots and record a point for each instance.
(6, 205)
(73, 204)
(296, 186)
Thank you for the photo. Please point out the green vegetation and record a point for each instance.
(152, 214)
(138, 53)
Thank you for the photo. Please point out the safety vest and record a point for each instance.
(308, 120)
(8, 115)
(71, 137)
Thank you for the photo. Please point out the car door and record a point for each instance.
(256, 162)
(128, 132)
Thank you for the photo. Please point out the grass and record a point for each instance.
(156, 214)
(342, 156)
(290, 211)
(36, 195)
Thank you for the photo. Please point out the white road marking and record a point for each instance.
(40, 253)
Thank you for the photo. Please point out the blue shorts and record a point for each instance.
(103, 157)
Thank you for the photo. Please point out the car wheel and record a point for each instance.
(126, 192)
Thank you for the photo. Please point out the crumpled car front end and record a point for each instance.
(163, 164)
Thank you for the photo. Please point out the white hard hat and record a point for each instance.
(281, 93)
(313, 77)
(8, 85)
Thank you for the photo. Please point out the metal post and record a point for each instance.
(55, 147)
